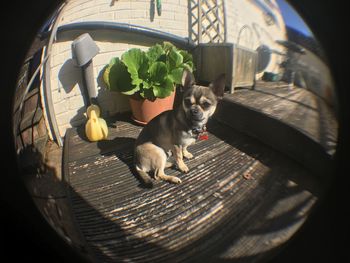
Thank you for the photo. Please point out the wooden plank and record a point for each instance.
(298, 108)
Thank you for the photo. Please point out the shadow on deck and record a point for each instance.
(241, 200)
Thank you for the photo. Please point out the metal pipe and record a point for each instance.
(89, 27)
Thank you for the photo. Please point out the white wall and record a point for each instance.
(246, 26)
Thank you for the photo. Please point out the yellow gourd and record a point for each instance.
(96, 128)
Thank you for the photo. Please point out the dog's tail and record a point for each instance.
(145, 178)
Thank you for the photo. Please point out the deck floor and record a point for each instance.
(240, 200)
(296, 107)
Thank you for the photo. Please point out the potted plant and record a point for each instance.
(149, 77)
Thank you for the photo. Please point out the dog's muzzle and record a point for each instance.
(196, 114)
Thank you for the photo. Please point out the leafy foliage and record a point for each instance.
(151, 74)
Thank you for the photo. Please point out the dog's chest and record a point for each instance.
(187, 138)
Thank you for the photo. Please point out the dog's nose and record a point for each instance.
(196, 112)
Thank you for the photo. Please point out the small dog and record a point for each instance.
(175, 130)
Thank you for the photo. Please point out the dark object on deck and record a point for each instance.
(270, 76)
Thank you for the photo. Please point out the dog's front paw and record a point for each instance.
(188, 155)
(176, 180)
(183, 168)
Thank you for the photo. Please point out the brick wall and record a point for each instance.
(246, 26)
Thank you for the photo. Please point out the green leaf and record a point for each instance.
(146, 85)
(176, 75)
(136, 62)
(167, 46)
(106, 70)
(164, 89)
(162, 58)
(187, 59)
(113, 61)
(158, 72)
(175, 59)
(154, 53)
(186, 56)
(105, 75)
(189, 66)
(118, 78)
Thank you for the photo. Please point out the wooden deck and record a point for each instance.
(296, 107)
(241, 200)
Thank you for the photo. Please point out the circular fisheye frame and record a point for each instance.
(156, 131)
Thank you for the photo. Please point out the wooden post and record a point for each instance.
(225, 21)
(199, 21)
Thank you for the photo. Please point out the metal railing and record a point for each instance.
(138, 34)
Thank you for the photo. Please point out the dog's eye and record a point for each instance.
(206, 105)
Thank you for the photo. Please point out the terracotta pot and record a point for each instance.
(145, 110)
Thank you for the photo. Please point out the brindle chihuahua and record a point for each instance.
(175, 130)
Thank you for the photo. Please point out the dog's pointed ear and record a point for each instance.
(218, 86)
(187, 79)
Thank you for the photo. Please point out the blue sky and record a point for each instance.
(292, 18)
